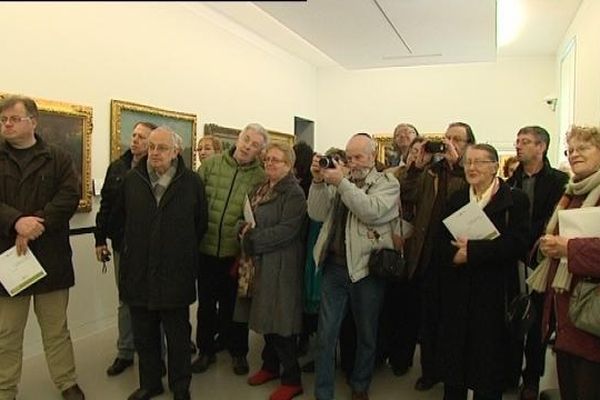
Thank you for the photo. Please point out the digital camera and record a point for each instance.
(435, 146)
(105, 256)
(327, 162)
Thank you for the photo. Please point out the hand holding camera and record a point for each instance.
(327, 168)
(103, 254)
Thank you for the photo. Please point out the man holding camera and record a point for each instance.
(138, 148)
(353, 209)
(436, 174)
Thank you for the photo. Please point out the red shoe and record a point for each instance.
(286, 392)
(261, 377)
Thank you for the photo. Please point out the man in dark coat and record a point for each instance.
(162, 209)
(544, 186)
(39, 193)
(115, 174)
(429, 186)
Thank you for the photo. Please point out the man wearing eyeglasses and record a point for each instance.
(430, 181)
(228, 178)
(39, 193)
(161, 209)
(544, 186)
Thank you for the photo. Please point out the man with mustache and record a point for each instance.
(357, 211)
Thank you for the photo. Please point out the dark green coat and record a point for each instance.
(48, 187)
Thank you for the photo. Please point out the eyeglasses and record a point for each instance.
(255, 145)
(477, 163)
(272, 160)
(583, 148)
(13, 119)
(525, 142)
(161, 148)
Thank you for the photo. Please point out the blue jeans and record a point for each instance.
(365, 298)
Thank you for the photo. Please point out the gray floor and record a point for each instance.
(95, 353)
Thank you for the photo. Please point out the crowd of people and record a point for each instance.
(277, 239)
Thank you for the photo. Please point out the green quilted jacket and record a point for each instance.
(226, 184)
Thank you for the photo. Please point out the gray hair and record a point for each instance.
(258, 128)
(176, 138)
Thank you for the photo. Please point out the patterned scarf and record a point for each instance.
(590, 187)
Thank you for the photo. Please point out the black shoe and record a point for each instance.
(240, 365)
(73, 393)
(144, 394)
(202, 363)
(424, 384)
(182, 395)
(118, 366)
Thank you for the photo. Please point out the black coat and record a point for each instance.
(112, 182)
(549, 186)
(473, 337)
(47, 187)
(159, 255)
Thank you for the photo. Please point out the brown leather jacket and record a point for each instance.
(429, 190)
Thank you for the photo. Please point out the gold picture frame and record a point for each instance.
(228, 136)
(386, 154)
(69, 126)
(125, 114)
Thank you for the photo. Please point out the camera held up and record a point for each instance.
(435, 146)
(327, 161)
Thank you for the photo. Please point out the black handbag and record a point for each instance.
(388, 264)
(519, 315)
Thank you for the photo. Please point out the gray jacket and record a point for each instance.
(278, 249)
(370, 208)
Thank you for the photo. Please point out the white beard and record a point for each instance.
(359, 174)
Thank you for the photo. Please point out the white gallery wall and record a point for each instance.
(496, 99)
(180, 57)
(585, 29)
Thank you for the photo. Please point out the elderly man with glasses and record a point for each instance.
(161, 209)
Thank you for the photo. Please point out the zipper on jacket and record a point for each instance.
(225, 211)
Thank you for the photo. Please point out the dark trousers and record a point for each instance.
(460, 393)
(280, 351)
(400, 323)
(146, 335)
(578, 379)
(216, 285)
(429, 323)
(532, 348)
(535, 349)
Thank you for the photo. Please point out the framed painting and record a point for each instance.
(69, 126)
(228, 136)
(124, 115)
(386, 153)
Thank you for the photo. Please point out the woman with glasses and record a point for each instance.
(475, 276)
(567, 262)
(277, 250)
